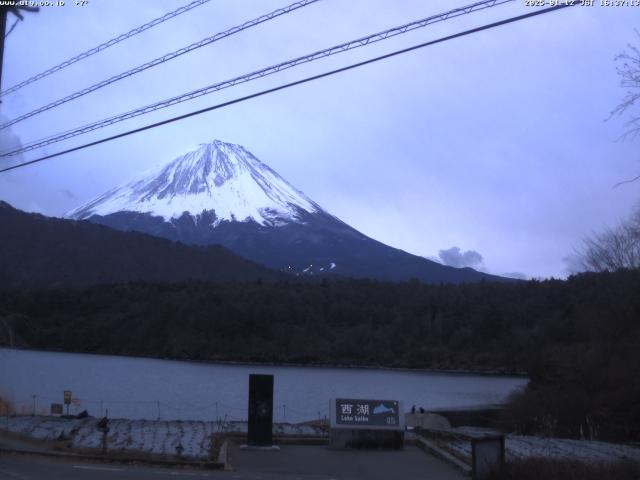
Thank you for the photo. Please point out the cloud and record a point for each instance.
(456, 258)
(69, 194)
(516, 275)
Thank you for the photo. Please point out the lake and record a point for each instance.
(151, 388)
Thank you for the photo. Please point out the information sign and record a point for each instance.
(367, 413)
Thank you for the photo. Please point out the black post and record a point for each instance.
(3, 29)
(103, 426)
(260, 410)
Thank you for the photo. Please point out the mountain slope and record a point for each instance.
(43, 252)
(222, 194)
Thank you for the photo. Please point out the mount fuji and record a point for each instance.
(222, 194)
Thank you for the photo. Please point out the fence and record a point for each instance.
(156, 409)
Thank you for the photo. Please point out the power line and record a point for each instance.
(163, 59)
(298, 82)
(343, 47)
(104, 45)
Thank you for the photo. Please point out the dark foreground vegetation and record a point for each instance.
(555, 469)
(579, 340)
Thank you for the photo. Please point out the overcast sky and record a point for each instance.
(494, 143)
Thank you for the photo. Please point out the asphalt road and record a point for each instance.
(290, 463)
(27, 467)
(306, 462)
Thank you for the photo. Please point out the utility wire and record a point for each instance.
(104, 45)
(163, 59)
(343, 47)
(298, 82)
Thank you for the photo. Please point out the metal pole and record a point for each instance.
(3, 29)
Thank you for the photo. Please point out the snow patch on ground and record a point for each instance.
(193, 439)
(190, 439)
(520, 446)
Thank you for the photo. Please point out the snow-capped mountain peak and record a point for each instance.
(218, 176)
(220, 194)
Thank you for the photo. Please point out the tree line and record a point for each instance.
(577, 339)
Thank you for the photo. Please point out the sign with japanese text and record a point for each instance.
(367, 413)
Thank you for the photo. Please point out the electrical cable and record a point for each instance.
(298, 82)
(103, 46)
(343, 47)
(162, 59)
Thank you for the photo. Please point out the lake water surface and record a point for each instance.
(150, 388)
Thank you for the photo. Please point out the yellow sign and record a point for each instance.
(67, 397)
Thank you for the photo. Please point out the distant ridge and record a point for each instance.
(44, 252)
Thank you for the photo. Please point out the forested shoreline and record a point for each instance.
(577, 339)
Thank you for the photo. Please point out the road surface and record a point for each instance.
(290, 463)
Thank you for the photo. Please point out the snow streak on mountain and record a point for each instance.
(217, 176)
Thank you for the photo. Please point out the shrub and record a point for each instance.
(6, 406)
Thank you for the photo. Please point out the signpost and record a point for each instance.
(366, 423)
(372, 413)
(67, 399)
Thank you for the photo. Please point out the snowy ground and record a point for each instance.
(193, 439)
(519, 446)
(190, 439)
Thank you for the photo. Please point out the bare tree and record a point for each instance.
(629, 73)
(615, 248)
